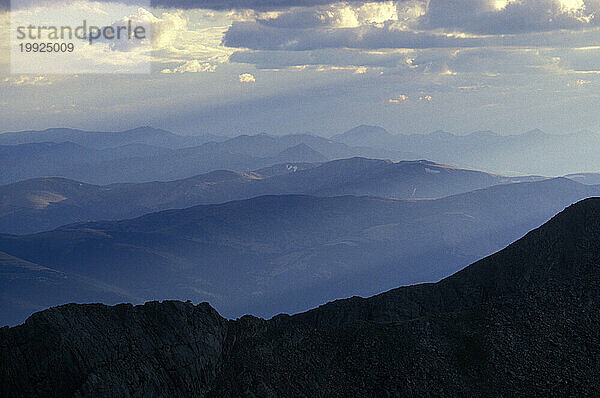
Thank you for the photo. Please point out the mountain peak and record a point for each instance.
(368, 128)
(365, 135)
(301, 153)
(145, 130)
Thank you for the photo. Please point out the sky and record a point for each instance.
(280, 66)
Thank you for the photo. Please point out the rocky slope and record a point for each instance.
(522, 322)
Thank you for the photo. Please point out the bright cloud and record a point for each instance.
(581, 83)
(398, 99)
(193, 66)
(247, 78)
(25, 80)
(572, 5)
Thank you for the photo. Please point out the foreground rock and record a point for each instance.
(525, 321)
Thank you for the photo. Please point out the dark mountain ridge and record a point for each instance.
(524, 321)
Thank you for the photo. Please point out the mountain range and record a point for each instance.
(144, 135)
(46, 203)
(145, 155)
(533, 152)
(283, 253)
(524, 321)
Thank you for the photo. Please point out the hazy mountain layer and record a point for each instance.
(534, 152)
(105, 140)
(142, 158)
(26, 287)
(46, 203)
(288, 253)
(146, 154)
(524, 321)
(127, 164)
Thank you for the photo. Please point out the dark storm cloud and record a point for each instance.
(529, 22)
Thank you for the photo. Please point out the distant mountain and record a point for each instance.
(142, 162)
(524, 321)
(585, 178)
(46, 203)
(24, 161)
(367, 136)
(104, 140)
(121, 164)
(147, 154)
(534, 152)
(301, 153)
(288, 253)
(265, 146)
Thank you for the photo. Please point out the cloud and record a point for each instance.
(256, 36)
(259, 5)
(247, 78)
(415, 24)
(419, 24)
(25, 80)
(580, 83)
(443, 62)
(340, 15)
(398, 99)
(193, 66)
(508, 16)
(436, 36)
(487, 60)
(467, 16)
(177, 41)
(340, 57)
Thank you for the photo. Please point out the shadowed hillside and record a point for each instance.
(289, 253)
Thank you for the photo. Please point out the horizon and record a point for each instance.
(327, 135)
